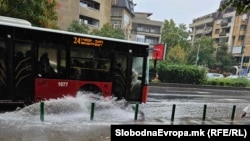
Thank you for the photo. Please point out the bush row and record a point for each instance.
(233, 82)
(186, 74)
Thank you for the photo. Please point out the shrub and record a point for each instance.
(234, 82)
(186, 74)
(189, 74)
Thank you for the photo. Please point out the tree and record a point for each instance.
(224, 60)
(39, 12)
(241, 6)
(79, 28)
(202, 52)
(108, 31)
(173, 35)
(176, 55)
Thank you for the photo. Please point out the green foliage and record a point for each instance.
(78, 28)
(228, 82)
(204, 49)
(174, 35)
(241, 6)
(176, 55)
(224, 60)
(187, 74)
(190, 74)
(39, 12)
(108, 31)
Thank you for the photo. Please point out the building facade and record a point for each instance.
(146, 30)
(94, 13)
(202, 26)
(119, 13)
(226, 27)
(122, 13)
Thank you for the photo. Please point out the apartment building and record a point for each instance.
(202, 26)
(241, 37)
(137, 26)
(225, 26)
(146, 30)
(94, 13)
(122, 13)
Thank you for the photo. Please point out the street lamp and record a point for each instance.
(197, 55)
(241, 62)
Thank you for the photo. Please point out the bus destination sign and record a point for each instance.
(88, 41)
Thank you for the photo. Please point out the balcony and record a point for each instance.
(222, 33)
(224, 23)
(208, 30)
(201, 22)
(244, 22)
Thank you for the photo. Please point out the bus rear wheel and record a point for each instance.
(91, 89)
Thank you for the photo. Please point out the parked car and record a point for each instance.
(214, 75)
(233, 76)
(238, 76)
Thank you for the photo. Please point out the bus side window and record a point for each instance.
(75, 73)
(76, 63)
(45, 69)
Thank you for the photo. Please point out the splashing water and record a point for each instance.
(74, 110)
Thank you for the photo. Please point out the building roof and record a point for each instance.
(127, 4)
(144, 13)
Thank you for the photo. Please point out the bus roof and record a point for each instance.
(14, 22)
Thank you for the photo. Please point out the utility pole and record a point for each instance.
(197, 55)
(241, 62)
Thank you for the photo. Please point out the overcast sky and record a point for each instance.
(181, 11)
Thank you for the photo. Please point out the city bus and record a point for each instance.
(39, 64)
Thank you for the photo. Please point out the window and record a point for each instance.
(217, 40)
(140, 38)
(139, 28)
(90, 64)
(90, 4)
(117, 26)
(217, 31)
(146, 29)
(151, 41)
(116, 14)
(243, 27)
(116, 23)
(152, 30)
(244, 17)
(89, 21)
(241, 38)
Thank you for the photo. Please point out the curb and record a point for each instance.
(196, 86)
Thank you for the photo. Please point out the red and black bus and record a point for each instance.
(40, 64)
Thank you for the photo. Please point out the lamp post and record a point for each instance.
(197, 55)
(241, 62)
(155, 61)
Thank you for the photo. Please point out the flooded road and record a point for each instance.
(68, 119)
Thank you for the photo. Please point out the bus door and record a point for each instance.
(3, 72)
(134, 93)
(23, 71)
(120, 83)
(15, 70)
(127, 77)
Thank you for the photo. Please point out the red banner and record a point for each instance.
(158, 53)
